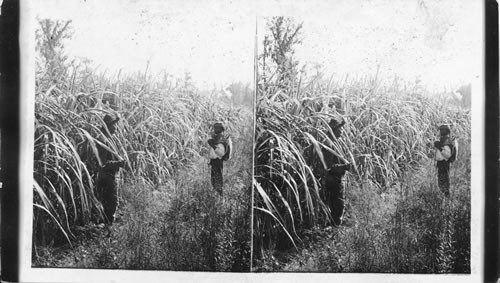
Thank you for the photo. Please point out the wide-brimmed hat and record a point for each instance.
(110, 119)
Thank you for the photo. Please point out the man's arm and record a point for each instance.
(340, 168)
(444, 153)
(212, 143)
(338, 165)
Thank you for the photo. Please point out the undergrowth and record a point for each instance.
(397, 220)
(410, 228)
(169, 215)
(182, 225)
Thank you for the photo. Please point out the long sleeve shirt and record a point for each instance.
(219, 146)
(443, 154)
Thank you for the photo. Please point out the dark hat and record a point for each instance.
(445, 128)
(110, 120)
(336, 122)
(218, 128)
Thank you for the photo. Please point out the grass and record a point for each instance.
(183, 225)
(170, 217)
(399, 222)
(410, 228)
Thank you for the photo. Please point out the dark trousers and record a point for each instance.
(335, 197)
(107, 189)
(217, 180)
(444, 176)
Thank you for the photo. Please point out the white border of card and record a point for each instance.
(29, 274)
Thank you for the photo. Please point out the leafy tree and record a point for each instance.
(278, 64)
(50, 37)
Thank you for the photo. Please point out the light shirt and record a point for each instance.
(443, 154)
(218, 152)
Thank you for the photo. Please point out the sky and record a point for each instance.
(439, 42)
(215, 45)
(436, 42)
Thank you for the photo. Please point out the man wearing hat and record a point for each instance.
(335, 169)
(445, 151)
(220, 151)
(106, 185)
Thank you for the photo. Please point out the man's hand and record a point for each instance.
(340, 169)
(121, 163)
(114, 164)
(347, 166)
(437, 144)
(212, 143)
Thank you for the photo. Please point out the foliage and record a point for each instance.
(387, 133)
(279, 68)
(181, 225)
(412, 227)
(50, 37)
(161, 136)
(387, 137)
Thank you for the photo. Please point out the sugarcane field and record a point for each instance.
(223, 137)
(350, 173)
(137, 170)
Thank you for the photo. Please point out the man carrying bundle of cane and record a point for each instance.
(446, 152)
(219, 151)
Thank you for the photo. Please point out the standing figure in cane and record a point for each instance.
(219, 151)
(334, 183)
(106, 184)
(446, 152)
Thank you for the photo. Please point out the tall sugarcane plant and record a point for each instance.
(388, 129)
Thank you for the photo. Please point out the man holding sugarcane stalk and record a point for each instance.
(106, 184)
(334, 169)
